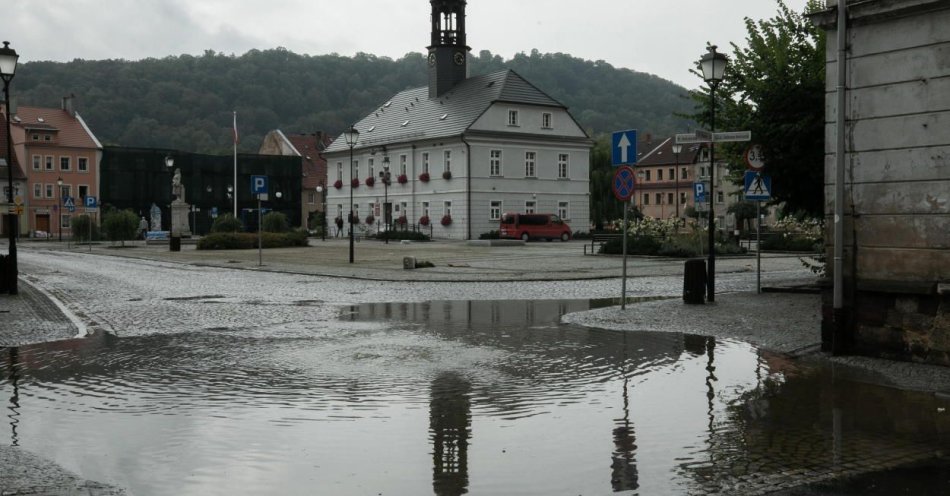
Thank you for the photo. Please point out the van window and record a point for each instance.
(508, 219)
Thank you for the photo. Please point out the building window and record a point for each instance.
(529, 159)
(563, 210)
(672, 174)
(36, 137)
(647, 175)
(339, 211)
(702, 172)
(563, 161)
(669, 198)
(356, 210)
(684, 173)
(66, 191)
(37, 162)
(64, 164)
(371, 164)
(512, 117)
(402, 208)
(448, 160)
(719, 197)
(311, 197)
(83, 191)
(402, 164)
(356, 169)
(64, 221)
(546, 118)
(425, 209)
(530, 206)
(47, 137)
(425, 162)
(447, 208)
(49, 190)
(83, 164)
(49, 163)
(37, 190)
(494, 210)
(659, 198)
(682, 198)
(646, 198)
(495, 163)
(339, 171)
(659, 174)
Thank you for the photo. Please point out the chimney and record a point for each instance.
(68, 104)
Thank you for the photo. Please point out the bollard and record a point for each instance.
(694, 282)
(409, 263)
(174, 243)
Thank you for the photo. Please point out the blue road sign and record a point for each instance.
(258, 185)
(699, 192)
(758, 187)
(90, 202)
(214, 212)
(624, 146)
(68, 202)
(624, 183)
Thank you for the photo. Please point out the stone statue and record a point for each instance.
(178, 189)
(156, 214)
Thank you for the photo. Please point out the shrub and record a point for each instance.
(637, 244)
(681, 245)
(226, 223)
(490, 235)
(120, 225)
(446, 220)
(275, 222)
(424, 177)
(401, 235)
(791, 242)
(247, 241)
(81, 227)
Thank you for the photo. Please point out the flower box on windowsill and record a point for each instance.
(424, 177)
(446, 220)
(402, 179)
(447, 175)
(355, 183)
(424, 220)
(369, 181)
(338, 184)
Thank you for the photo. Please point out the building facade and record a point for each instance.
(896, 164)
(60, 157)
(309, 147)
(463, 150)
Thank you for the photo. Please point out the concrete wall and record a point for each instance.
(897, 220)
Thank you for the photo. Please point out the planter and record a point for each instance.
(402, 220)
(338, 184)
(370, 219)
(355, 183)
(446, 220)
(424, 220)
(447, 175)
(402, 179)
(370, 181)
(424, 177)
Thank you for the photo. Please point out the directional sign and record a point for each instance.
(90, 202)
(624, 147)
(624, 183)
(689, 139)
(758, 187)
(258, 185)
(699, 192)
(705, 137)
(753, 158)
(704, 134)
(732, 136)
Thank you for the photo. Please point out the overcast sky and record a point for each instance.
(659, 37)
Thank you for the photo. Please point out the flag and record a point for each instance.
(235, 129)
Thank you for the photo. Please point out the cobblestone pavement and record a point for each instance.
(214, 289)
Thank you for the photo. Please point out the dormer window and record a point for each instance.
(512, 117)
(36, 137)
(546, 120)
(47, 137)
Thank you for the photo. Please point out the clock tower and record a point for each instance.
(448, 53)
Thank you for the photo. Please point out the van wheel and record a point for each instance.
(565, 237)
(524, 237)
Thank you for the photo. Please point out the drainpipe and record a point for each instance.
(838, 338)
(412, 181)
(468, 188)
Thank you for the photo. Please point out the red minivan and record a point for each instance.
(533, 226)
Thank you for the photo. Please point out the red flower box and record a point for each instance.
(370, 219)
(355, 183)
(370, 181)
(402, 220)
(424, 177)
(424, 220)
(447, 175)
(402, 179)
(446, 220)
(338, 184)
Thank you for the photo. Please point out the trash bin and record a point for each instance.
(694, 282)
(174, 243)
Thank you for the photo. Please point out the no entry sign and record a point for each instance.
(624, 183)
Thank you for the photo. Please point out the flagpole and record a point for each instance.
(235, 165)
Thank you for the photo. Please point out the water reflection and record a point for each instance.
(454, 397)
(450, 422)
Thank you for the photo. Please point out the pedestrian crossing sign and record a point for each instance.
(758, 187)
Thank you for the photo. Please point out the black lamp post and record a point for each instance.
(8, 59)
(351, 136)
(677, 148)
(59, 186)
(386, 178)
(713, 65)
(322, 190)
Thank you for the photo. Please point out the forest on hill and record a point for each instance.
(185, 102)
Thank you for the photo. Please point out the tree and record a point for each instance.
(275, 222)
(120, 225)
(776, 89)
(226, 223)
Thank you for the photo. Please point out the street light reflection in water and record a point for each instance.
(453, 397)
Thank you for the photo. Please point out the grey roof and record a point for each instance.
(411, 115)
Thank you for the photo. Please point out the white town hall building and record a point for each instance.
(463, 150)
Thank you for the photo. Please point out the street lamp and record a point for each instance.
(713, 65)
(677, 148)
(322, 191)
(8, 59)
(351, 136)
(386, 178)
(59, 186)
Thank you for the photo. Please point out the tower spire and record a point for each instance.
(448, 52)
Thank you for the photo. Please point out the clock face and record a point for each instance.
(431, 59)
(459, 58)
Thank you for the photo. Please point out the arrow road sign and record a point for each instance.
(624, 145)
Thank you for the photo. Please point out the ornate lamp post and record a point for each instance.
(677, 148)
(8, 59)
(713, 65)
(59, 207)
(351, 136)
(385, 177)
(322, 190)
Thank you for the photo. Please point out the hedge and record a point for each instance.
(247, 241)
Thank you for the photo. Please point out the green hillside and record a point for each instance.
(185, 102)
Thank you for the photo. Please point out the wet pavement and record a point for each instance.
(210, 380)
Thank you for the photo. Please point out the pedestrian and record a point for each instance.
(143, 228)
(339, 227)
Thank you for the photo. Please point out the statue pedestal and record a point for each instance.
(180, 219)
